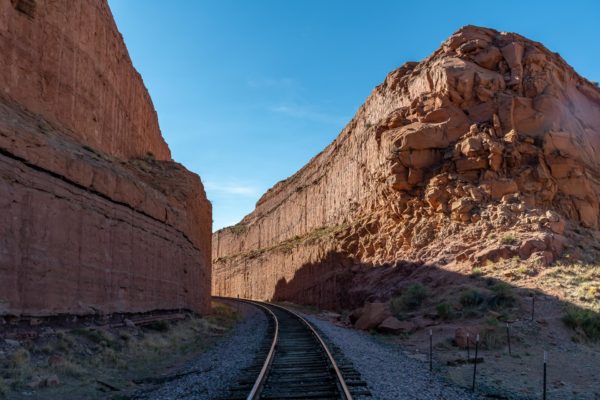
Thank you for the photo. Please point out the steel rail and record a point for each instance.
(264, 371)
(255, 393)
(338, 374)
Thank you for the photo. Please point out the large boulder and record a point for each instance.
(394, 326)
(372, 315)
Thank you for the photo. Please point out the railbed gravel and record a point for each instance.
(221, 364)
(389, 373)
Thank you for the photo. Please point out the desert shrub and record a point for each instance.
(97, 336)
(492, 321)
(410, 299)
(471, 298)
(63, 343)
(492, 339)
(503, 295)
(17, 365)
(125, 336)
(444, 311)
(586, 320)
(159, 326)
(476, 272)
(509, 238)
(110, 356)
(69, 368)
(20, 358)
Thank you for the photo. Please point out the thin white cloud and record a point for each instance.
(302, 112)
(232, 189)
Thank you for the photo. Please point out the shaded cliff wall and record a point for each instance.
(90, 221)
(491, 133)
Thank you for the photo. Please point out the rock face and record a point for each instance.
(94, 216)
(68, 63)
(487, 149)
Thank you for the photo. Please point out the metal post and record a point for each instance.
(430, 350)
(545, 362)
(475, 362)
(508, 339)
(468, 349)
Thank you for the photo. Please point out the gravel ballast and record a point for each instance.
(220, 365)
(389, 373)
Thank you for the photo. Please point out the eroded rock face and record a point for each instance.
(487, 149)
(86, 224)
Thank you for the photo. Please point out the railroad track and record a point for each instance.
(294, 362)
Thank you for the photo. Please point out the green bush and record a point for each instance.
(410, 299)
(503, 295)
(471, 298)
(444, 311)
(586, 320)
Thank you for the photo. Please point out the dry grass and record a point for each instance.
(3, 388)
(116, 356)
(578, 283)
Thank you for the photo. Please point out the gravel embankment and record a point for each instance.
(220, 365)
(389, 373)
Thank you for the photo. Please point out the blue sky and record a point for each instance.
(248, 91)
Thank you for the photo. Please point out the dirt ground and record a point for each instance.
(93, 360)
(566, 288)
(573, 366)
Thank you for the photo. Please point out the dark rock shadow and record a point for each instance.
(339, 282)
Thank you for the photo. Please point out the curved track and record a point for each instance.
(294, 363)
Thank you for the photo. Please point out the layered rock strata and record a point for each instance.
(485, 150)
(94, 216)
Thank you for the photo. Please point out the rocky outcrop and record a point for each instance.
(485, 150)
(94, 216)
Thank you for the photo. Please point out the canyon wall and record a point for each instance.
(94, 215)
(491, 134)
(67, 61)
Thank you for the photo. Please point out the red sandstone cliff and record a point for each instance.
(67, 61)
(94, 216)
(492, 133)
